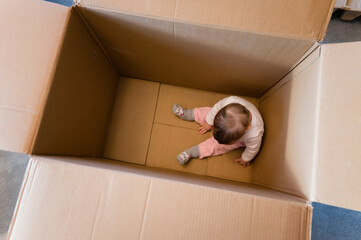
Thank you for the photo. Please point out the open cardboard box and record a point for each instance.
(80, 86)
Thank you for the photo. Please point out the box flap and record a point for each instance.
(338, 178)
(123, 201)
(299, 19)
(28, 55)
(312, 141)
(206, 213)
(63, 201)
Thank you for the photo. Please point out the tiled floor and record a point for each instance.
(328, 222)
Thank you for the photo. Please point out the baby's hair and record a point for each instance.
(230, 123)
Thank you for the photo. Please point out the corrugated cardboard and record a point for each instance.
(225, 167)
(339, 125)
(188, 98)
(29, 48)
(306, 19)
(132, 120)
(252, 217)
(127, 205)
(81, 96)
(185, 54)
(75, 202)
(287, 157)
(325, 124)
(168, 141)
(80, 107)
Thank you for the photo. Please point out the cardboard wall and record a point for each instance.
(192, 55)
(339, 156)
(287, 158)
(81, 96)
(127, 205)
(132, 119)
(299, 19)
(29, 46)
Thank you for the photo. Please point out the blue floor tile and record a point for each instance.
(67, 3)
(334, 223)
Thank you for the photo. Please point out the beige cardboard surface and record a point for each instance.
(286, 161)
(168, 141)
(132, 120)
(196, 56)
(31, 33)
(303, 19)
(225, 167)
(173, 175)
(206, 213)
(63, 201)
(123, 204)
(188, 98)
(339, 126)
(80, 99)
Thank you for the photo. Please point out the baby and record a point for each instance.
(235, 123)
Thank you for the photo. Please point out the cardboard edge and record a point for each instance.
(325, 23)
(86, 25)
(156, 173)
(316, 130)
(308, 220)
(82, 5)
(306, 60)
(31, 163)
(50, 82)
(281, 190)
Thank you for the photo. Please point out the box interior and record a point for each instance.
(106, 91)
(129, 119)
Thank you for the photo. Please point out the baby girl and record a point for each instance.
(235, 123)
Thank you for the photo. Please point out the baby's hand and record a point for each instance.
(242, 162)
(205, 127)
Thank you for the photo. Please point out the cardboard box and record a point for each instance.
(97, 81)
(352, 5)
(352, 9)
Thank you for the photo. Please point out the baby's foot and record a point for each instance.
(185, 114)
(183, 157)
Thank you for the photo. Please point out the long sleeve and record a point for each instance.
(252, 147)
(215, 109)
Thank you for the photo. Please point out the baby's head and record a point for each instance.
(230, 123)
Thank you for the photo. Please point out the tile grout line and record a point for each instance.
(153, 122)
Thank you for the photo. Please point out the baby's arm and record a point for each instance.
(252, 148)
(215, 109)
